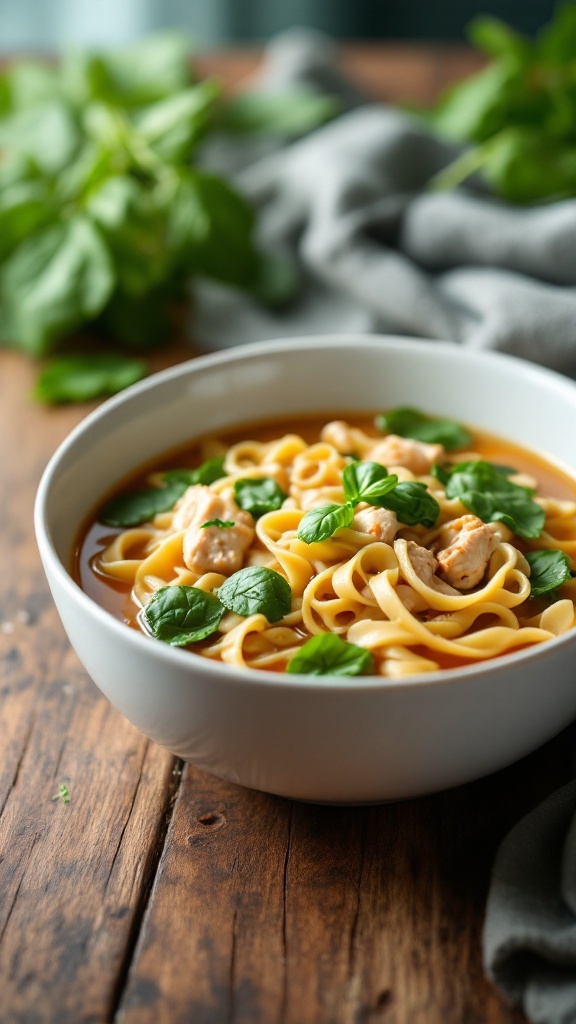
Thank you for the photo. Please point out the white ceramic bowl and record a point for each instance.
(346, 740)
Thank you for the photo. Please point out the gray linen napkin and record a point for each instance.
(530, 926)
(379, 251)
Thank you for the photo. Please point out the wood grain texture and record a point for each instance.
(269, 911)
(156, 896)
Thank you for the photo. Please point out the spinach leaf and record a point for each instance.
(412, 503)
(328, 655)
(257, 590)
(518, 112)
(181, 615)
(81, 378)
(322, 522)
(135, 507)
(277, 113)
(485, 489)
(367, 481)
(258, 495)
(209, 471)
(54, 280)
(407, 422)
(550, 568)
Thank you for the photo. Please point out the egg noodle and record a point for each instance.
(376, 585)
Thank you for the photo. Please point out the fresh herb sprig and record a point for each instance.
(104, 213)
(366, 481)
(519, 112)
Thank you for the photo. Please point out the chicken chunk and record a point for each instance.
(425, 566)
(463, 550)
(212, 548)
(381, 523)
(416, 456)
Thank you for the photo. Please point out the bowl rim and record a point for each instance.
(262, 678)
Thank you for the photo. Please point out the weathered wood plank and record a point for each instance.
(271, 912)
(73, 877)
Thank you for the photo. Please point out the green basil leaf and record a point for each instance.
(258, 496)
(209, 471)
(46, 132)
(485, 489)
(54, 280)
(221, 243)
(407, 422)
(277, 113)
(550, 568)
(182, 615)
(322, 522)
(155, 66)
(174, 125)
(220, 523)
(24, 207)
(257, 590)
(412, 503)
(328, 655)
(367, 481)
(135, 231)
(135, 507)
(81, 378)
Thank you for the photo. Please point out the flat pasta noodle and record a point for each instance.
(397, 596)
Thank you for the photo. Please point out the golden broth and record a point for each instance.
(115, 596)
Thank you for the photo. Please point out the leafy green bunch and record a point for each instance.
(519, 111)
(104, 217)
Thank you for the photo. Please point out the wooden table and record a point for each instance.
(159, 893)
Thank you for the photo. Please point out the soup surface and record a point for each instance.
(385, 545)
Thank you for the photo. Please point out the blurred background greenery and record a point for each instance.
(45, 25)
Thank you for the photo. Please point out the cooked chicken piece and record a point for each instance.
(463, 548)
(344, 438)
(425, 565)
(416, 456)
(212, 548)
(379, 522)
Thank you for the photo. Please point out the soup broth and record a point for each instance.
(411, 555)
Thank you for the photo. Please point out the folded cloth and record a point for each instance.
(530, 926)
(381, 252)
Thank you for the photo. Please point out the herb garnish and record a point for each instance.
(134, 507)
(63, 794)
(407, 422)
(258, 495)
(206, 473)
(181, 615)
(485, 489)
(257, 590)
(518, 111)
(81, 378)
(412, 502)
(550, 568)
(220, 523)
(369, 482)
(104, 216)
(328, 655)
